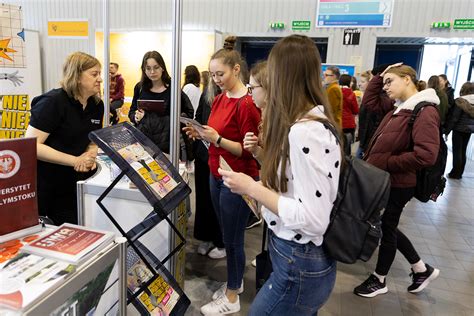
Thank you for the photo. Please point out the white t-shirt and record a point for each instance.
(194, 94)
(313, 178)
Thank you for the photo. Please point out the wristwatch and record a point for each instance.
(218, 141)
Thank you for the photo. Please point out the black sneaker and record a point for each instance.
(371, 287)
(253, 221)
(422, 279)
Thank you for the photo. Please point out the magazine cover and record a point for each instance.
(71, 243)
(86, 300)
(27, 277)
(252, 203)
(160, 293)
(18, 200)
(144, 164)
(158, 179)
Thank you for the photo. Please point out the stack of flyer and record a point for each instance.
(26, 278)
(71, 243)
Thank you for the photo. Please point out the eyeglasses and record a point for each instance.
(250, 88)
(151, 69)
(328, 75)
(387, 83)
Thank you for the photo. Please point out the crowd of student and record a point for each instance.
(270, 131)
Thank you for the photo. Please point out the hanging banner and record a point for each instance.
(20, 72)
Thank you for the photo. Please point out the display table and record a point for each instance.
(103, 273)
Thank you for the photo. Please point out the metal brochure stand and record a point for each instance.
(151, 172)
(83, 276)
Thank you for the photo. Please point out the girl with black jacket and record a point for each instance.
(155, 84)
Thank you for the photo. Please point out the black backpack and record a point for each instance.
(355, 229)
(430, 181)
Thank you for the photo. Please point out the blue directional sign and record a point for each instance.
(359, 13)
(343, 69)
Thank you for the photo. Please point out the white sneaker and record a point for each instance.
(204, 247)
(254, 263)
(221, 291)
(217, 253)
(221, 306)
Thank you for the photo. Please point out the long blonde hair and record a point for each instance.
(74, 66)
(294, 88)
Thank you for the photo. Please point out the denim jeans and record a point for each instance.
(232, 214)
(302, 279)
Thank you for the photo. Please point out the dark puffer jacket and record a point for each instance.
(401, 153)
(375, 105)
(156, 126)
(462, 116)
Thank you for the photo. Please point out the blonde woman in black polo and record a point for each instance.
(61, 120)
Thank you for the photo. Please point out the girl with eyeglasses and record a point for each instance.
(155, 84)
(300, 177)
(401, 151)
(233, 114)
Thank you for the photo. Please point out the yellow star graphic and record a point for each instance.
(4, 49)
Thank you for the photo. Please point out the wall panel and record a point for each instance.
(243, 17)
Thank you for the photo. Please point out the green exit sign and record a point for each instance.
(441, 25)
(277, 25)
(464, 24)
(301, 25)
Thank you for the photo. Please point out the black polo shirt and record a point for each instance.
(66, 122)
(68, 125)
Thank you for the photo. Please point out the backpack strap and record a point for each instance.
(417, 110)
(415, 114)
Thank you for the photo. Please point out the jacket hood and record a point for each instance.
(427, 95)
(466, 103)
(469, 98)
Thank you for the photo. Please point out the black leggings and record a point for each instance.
(392, 237)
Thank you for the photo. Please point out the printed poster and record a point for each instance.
(20, 72)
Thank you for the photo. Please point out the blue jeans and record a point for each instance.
(232, 214)
(302, 279)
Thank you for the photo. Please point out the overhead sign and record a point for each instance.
(464, 24)
(441, 25)
(68, 29)
(301, 25)
(351, 37)
(344, 13)
(343, 69)
(277, 25)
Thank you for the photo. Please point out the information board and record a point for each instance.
(343, 69)
(360, 13)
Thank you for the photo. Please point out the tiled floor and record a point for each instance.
(442, 232)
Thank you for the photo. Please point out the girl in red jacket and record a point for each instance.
(401, 151)
(350, 108)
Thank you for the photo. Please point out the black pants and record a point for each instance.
(206, 226)
(392, 237)
(460, 142)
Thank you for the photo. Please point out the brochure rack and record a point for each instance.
(157, 179)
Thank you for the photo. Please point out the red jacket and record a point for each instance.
(350, 108)
(401, 153)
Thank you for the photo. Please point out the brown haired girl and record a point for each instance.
(155, 84)
(300, 176)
